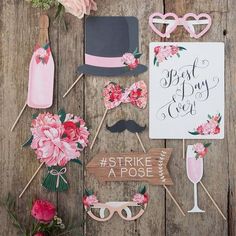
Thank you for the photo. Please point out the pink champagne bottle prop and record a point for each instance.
(41, 72)
(195, 173)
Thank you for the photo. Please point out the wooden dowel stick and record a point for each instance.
(77, 80)
(18, 117)
(140, 141)
(98, 129)
(213, 201)
(183, 148)
(176, 203)
(27, 185)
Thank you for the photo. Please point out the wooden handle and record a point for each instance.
(43, 29)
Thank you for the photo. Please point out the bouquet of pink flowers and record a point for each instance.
(56, 140)
(45, 223)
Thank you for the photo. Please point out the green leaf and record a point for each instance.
(62, 115)
(137, 55)
(88, 192)
(78, 124)
(142, 189)
(79, 146)
(194, 133)
(154, 61)
(59, 10)
(63, 135)
(135, 51)
(77, 161)
(177, 54)
(46, 46)
(209, 116)
(207, 145)
(182, 48)
(35, 115)
(28, 141)
(219, 120)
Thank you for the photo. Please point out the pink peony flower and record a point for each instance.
(79, 8)
(43, 211)
(90, 200)
(49, 147)
(140, 198)
(165, 51)
(128, 59)
(209, 127)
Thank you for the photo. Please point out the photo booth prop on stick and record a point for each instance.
(41, 72)
(111, 48)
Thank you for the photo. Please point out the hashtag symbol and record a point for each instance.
(103, 162)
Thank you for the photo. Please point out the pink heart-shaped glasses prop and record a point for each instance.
(159, 18)
(201, 19)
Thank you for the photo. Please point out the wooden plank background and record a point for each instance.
(19, 30)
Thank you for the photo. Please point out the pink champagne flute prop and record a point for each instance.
(41, 74)
(195, 173)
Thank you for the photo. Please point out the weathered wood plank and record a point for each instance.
(18, 36)
(148, 224)
(231, 114)
(210, 222)
(70, 55)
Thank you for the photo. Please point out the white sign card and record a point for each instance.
(186, 90)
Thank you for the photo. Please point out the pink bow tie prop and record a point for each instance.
(114, 95)
(187, 21)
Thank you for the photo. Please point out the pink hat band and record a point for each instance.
(108, 62)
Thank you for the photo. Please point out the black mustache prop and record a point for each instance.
(122, 125)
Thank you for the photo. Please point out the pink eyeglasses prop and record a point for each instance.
(172, 21)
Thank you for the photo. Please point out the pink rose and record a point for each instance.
(157, 49)
(90, 200)
(79, 8)
(128, 59)
(133, 65)
(43, 211)
(200, 129)
(217, 130)
(39, 234)
(140, 198)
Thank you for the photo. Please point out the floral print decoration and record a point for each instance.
(211, 127)
(58, 138)
(131, 59)
(42, 54)
(163, 53)
(201, 149)
(114, 94)
(89, 199)
(141, 197)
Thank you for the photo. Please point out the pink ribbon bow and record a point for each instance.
(114, 94)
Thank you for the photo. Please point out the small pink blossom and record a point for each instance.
(140, 198)
(157, 49)
(90, 200)
(174, 50)
(128, 59)
(200, 149)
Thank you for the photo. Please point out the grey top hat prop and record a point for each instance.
(107, 39)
